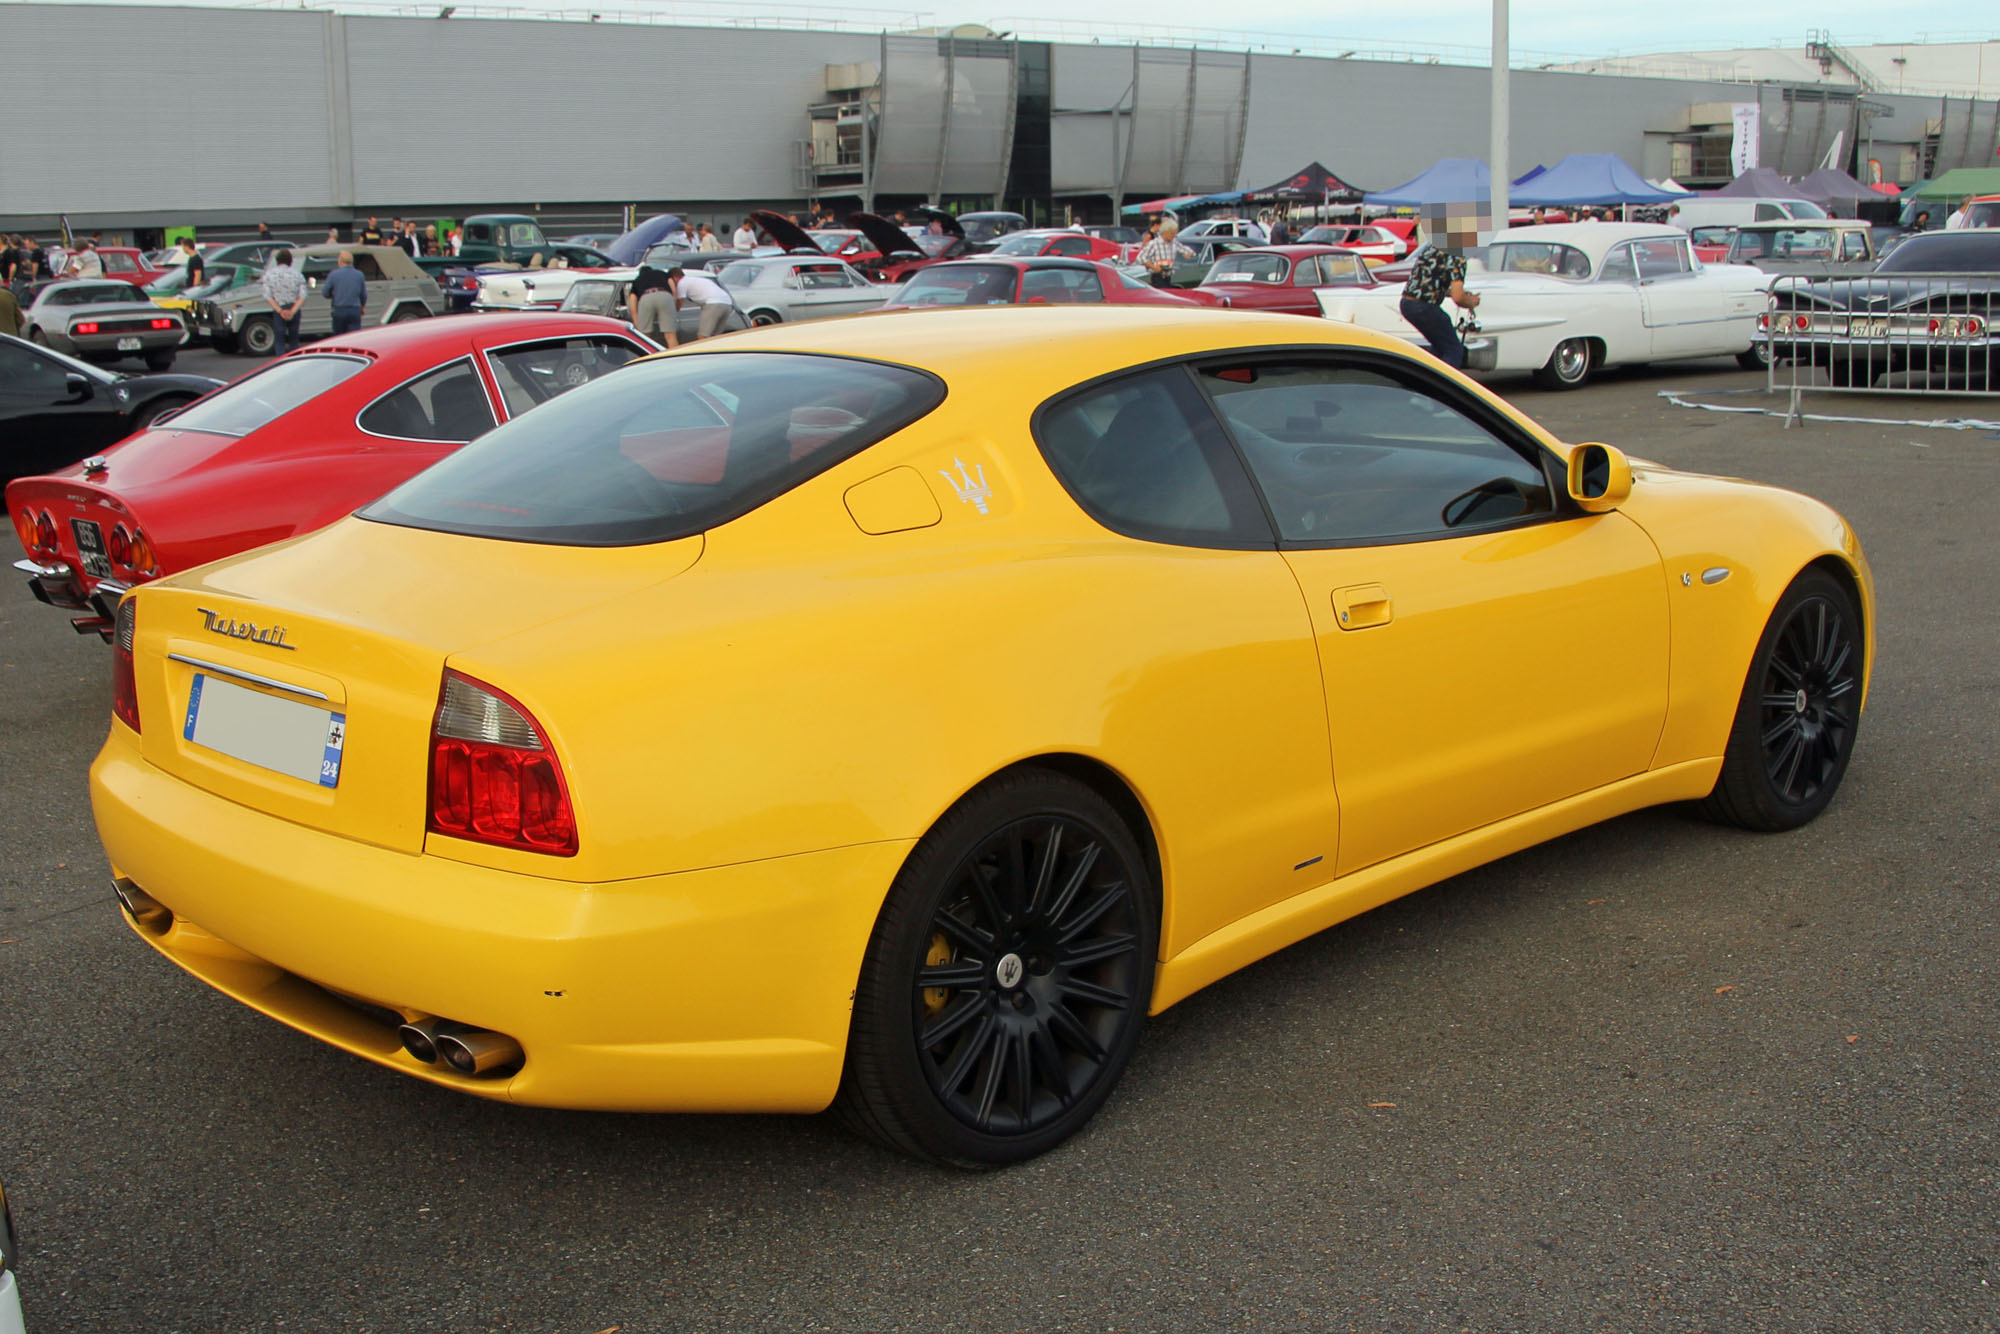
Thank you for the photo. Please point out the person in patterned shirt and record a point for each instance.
(1439, 273)
(285, 293)
(1159, 254)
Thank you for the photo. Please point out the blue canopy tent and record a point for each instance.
(1588, 178)
(1452, 180)
(628, 249)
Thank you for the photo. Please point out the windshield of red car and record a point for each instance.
(261, 398)
(662, 449)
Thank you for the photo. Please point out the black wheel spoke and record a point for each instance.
(1098, 950)
(968, 937)
(1784, 727)
(1107, 899)
(1783, 670)
(969, 1053)
(1054, 1071)
(988, 894)
(991, 1074)
(1785, 701)
(1079, 989)
(1045, 874)
(1073, 1031)
(952, 976)
(954, 1018)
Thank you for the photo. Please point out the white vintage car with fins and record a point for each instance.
(1565, 301)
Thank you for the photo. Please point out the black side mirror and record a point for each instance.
(78, 387)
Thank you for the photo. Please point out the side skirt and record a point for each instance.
(1251, 938)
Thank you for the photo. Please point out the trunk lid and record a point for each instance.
(332, 648)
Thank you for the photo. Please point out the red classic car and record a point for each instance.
(1052, 241)
(1386, 241)
(1008, 280)
(128, 263)
(293, 446)
(1282, 277)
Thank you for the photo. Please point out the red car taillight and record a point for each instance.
(86, 327)
(45, 536)
(124, 684)
(493, 777)
(163, 324)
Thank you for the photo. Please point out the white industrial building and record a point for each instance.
(221, 117)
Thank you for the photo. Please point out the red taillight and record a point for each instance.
(24, 528)
(493, 777)
(121, 547)
(124, 684)
(1764, 321)
(45, 535)
(1802, 322)
(163, 324)
(86, 327)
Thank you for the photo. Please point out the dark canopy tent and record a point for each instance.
(1588, 178)
(1758, 183)
(1310, 182)
(1829, 186)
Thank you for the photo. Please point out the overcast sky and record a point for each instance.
(1538, 28)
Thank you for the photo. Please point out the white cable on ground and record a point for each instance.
(1937, 424)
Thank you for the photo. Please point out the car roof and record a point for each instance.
(476, 330)
(1594, 237)
(1785, 224)
(1038, 350)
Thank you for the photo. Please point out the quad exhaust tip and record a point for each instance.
(465, 1051)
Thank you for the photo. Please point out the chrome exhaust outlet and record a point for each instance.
(420, 1038)
(474, 1052)
(144, 910)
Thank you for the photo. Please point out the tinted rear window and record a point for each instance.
(259, 399)
(1943, 252)
(663, 449)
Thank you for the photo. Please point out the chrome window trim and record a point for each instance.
(468, 359)
(237, 673)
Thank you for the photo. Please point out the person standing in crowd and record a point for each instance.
(413, 244)
(1440, 272)
(1960, 216)
(372, 233)
(454, 239)
(263, 231)
(347, 292)
(1922, 222)
(85, 263)
(710, 242)
(1280, 233)
(431, 238)
(11, 258)
(191, 259)
(285, 293)
(333, 234)
(11, 319)
(1159, 254)
(658, 305)
(746, 237)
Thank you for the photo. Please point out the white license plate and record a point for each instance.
(1877, 327)
(285, 736)
(90, 546)
(129, 345)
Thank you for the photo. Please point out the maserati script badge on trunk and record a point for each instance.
(231, 628)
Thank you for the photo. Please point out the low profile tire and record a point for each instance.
(759, 319)
(1756, 358)
(160, 361)
(1796, 721)
(258, 337)
(1007, 978)
(1568, 367)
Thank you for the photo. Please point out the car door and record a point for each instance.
(1485, 649)
(44, 423)
(1188, 551)
(1684, 315)
(316, 315)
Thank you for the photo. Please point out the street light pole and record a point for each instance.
(1497, 166)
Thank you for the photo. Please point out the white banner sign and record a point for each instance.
(1743, 139)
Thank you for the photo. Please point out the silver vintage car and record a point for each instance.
(240, 319)
(103, 320)
(1809, 246)
(784, 289)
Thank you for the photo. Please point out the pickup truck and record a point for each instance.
(510, 238)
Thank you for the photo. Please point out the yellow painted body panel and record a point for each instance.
(758, 723)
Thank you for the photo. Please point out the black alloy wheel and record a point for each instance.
(1008, 977)
(1801, 705)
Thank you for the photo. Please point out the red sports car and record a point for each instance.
(128, 263)
(1282, 277)
(1006, 280)
(293, 446)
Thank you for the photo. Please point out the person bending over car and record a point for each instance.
(1440, 272)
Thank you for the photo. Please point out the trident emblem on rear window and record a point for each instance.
(971, 487)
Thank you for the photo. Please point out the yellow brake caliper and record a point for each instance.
(935, 997)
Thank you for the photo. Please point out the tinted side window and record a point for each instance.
(1345, 454)
(536, 372)
(1145, 458)
(446, 404)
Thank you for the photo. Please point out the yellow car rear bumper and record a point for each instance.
(726, 989)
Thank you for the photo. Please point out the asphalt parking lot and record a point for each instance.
(1655, 1076)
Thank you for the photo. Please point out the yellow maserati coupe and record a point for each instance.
(892, 712)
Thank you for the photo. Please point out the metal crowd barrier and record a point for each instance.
(1898, 333)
